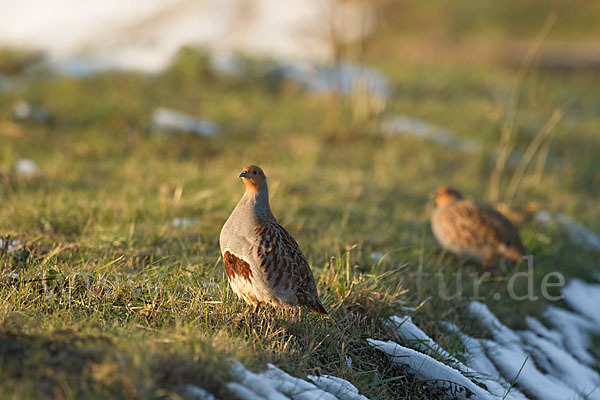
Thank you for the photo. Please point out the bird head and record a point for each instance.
(445, 195)
(254, 178)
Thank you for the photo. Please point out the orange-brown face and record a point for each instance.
(445, 195)
(254, 178)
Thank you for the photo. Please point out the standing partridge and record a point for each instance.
(262, 260)
(469, 229)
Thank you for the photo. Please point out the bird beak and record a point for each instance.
(243, 174)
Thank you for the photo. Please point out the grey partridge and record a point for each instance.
(263, 262)
(468, 229)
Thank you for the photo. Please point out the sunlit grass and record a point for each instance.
(113, 300)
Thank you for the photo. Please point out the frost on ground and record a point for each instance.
(538, 363)
(275, 384)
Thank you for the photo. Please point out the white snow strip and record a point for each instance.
(516, 365)
(406, 125)
(294, 387)
(260, 385)
(584, 298)
(172, 120)
(578, 233)
(501, 333)
(428, 368)
(575, 331)
(536, 326)
(565, 367)
(483, 369)
(340, 388)
(417, 339)
(243, 393)
(275, 384)
(197, 393)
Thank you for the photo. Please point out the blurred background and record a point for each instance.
(80, 37)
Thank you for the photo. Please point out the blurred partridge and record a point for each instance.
(262, 260)
(469, 229)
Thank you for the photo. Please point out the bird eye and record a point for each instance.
(254, 172)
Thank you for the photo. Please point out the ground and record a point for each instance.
(113, 300)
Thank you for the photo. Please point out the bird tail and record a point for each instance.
(516, 254)
(317, 307)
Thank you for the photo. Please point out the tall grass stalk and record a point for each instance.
(506, 143)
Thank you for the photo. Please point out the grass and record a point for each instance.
(114, 301)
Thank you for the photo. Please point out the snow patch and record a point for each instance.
(564, 367)
(23, 111)
(197, 393)
(483, 369)
(578, 233)
(575, 331)
(84, 37)
(541, 362)
(10, 245)
(181, 222)
(172, 120)
(516, 365)
(501, 333)
(341, 388)
(428, 368)
(417, 339)
(540, 329)
(583, 298)
(26, 167)
(275, 384)
(406, 125)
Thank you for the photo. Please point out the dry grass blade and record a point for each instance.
(506, 143)
(531, 151)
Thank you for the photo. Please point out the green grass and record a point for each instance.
(113, 301)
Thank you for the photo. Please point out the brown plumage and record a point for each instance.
(263, 262)
(466, 228)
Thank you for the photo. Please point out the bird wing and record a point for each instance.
(285, 266)
(491, 225)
